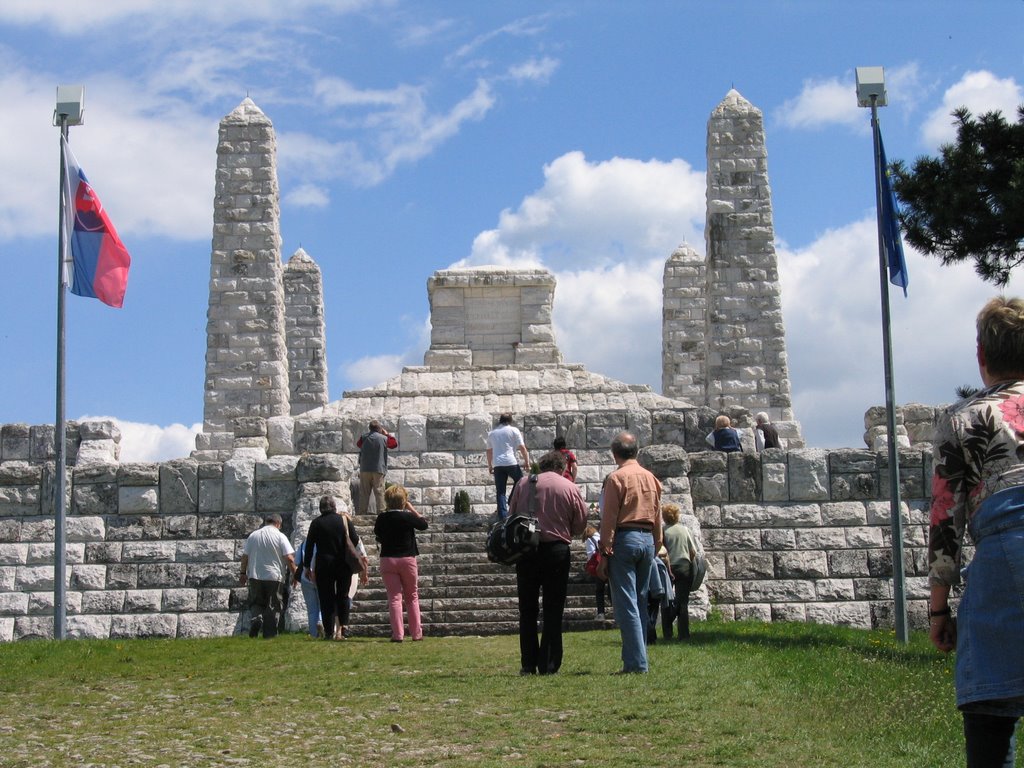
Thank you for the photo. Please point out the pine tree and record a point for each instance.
(968, 203)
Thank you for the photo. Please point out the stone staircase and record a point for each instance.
(461, 592)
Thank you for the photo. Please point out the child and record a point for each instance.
(591, 539)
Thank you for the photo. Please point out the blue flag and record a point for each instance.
(891, 240)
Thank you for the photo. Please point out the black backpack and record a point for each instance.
(516, 536)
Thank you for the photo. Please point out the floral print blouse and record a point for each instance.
(978, 449)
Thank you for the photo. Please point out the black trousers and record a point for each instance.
(547, 571)
(683, 580)
(333, 579)
(990, 740)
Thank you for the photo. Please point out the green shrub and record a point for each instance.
(462, 503)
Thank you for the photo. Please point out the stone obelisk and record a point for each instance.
(246, 358)
(746, 339)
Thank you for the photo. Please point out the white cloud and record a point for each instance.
(526, 27)
(396, 127)
(598, 213)
(149, 442)
(122, 147)
(308, 196)
(833, 101)
(67, 17)
(979, 92)
(609, 319)
(832, 308)
(368, 371)
(534, 70)
(821, 103)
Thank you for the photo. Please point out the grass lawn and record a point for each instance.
(739, 694)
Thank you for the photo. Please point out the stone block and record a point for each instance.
(134, 528)
(180, 600)
(103, 552)
(13, 554)
(801, 565)
(88, 528)
(137, 500)
(180, 526)
(445, 433)
(412, 433)
(148, 551)
(89, 577)
(207, 624)
(239, 485)
(37, 530)
(142, 600)
(856, 615)
(323, 467)
(105, 602)
(122, 576)
(179, 487)
(779, 591)
(33, 628)
(142, 626)
(775, 539)
(13, 603)
(832, 590)
(15, 443)
(749, 565)
(161, 575)
(808, 475)
(848, 563)
(88, 627)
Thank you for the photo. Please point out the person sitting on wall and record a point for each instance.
(765, 433)
(725, 438)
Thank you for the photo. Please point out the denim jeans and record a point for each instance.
(629, 574)
(991, 612)
(501, 477)
(312, 599)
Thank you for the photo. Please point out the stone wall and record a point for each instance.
(491, 316)
(153, 549)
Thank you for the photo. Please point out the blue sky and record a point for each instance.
(417, 135)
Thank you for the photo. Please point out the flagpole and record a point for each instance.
(896, 523)
(60, 486)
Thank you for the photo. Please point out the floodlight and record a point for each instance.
(871, 83)
(70, 105)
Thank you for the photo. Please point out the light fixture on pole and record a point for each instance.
(69, 111)
(871, 93)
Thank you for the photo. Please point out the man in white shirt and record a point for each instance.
(266, 552)
(503, 442)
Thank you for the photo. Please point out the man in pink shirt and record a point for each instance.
(562, 515)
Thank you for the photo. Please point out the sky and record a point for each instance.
(416, 136)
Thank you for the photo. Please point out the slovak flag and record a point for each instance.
(98, 263)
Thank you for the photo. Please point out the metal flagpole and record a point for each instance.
(60, 489)
(896, 523)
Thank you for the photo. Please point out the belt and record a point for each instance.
(641, 528)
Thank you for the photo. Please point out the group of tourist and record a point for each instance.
(726, 438)
(977, 491)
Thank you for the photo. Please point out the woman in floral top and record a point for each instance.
(979, 487)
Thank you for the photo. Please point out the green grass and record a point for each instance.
(739, 694)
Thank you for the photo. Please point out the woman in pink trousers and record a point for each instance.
(395, 530)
